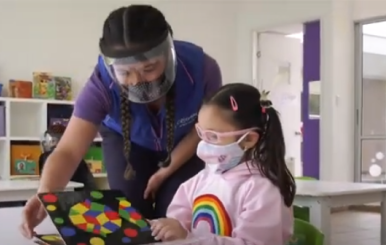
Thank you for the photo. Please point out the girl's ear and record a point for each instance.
(250, 141)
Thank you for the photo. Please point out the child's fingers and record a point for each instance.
(161, 233)
(155, 227)
(169, 235)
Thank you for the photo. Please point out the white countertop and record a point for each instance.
(327, 188)
(23, 185)
(10, 219)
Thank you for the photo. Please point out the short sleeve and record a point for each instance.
(212, 76)
(93, 102)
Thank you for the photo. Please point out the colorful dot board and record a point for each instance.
(96, 218)
(49, 239)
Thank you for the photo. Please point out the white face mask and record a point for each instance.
(220, 158)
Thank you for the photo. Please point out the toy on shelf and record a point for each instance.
(25, 166)
(59, 121)
(24, 159)
(63, 90)
(20, 89)
(94, 160)
(43, 85)
(94, 166)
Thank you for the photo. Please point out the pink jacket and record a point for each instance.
(237, 207)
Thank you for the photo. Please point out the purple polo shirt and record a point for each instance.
(94, 101)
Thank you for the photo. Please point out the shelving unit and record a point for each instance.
(25, 120)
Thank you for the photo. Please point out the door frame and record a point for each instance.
(358, 79)
(358, 68)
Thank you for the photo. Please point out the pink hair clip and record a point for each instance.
(234, 105)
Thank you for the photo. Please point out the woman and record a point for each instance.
(145, 93)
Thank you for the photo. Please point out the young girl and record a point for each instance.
(244, 194)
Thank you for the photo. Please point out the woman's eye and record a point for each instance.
(148, 70)
(122, 73)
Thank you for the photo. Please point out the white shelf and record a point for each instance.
(100, 175)
(36, 101)
(18, 177)
(25, 120)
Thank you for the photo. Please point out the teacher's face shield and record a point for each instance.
(145, 75)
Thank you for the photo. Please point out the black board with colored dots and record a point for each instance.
(49, 239)
(96, 218)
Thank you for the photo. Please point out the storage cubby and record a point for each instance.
(22, 124)
(2, 119)
(4, 158)
(24, 158)
(27, 119)
(58, 112)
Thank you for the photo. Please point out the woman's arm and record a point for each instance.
(90, 109)
(186, 148)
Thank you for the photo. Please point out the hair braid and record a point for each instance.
(126, 127)
(170, 116)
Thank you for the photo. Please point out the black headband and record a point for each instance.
(127, 51)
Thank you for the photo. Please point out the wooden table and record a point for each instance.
(321, 196)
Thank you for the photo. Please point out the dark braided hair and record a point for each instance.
(257, 112)
(138, 25)
(170, 116)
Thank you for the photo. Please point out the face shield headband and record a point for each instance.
(144, 75)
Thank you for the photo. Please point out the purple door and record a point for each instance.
(311, 72)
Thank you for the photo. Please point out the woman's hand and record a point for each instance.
(155, 182)
(168, 230)
(33, 214)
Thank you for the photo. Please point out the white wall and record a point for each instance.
(374, 45)
(374, 57)
(374, 66)
(62, 36)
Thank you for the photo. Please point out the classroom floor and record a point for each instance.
(355, 228)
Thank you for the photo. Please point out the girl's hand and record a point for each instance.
(167, 230)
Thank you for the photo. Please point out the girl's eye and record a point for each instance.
(212, 137)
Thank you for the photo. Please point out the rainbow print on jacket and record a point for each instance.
(209, 209)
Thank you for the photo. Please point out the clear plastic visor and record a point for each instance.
(147, 76)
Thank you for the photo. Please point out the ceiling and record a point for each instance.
(374, 29)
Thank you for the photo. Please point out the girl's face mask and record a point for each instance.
(220, 158)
